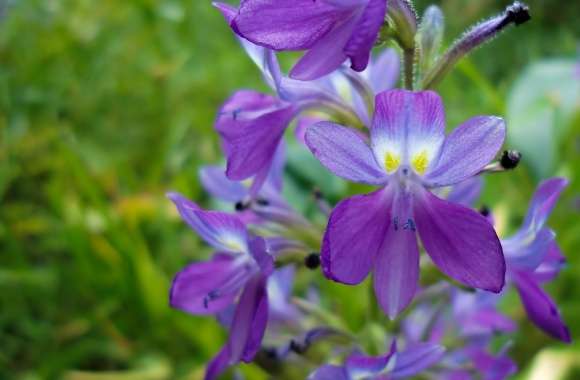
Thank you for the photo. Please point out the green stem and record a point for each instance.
(409, 68)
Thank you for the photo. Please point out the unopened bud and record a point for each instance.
(430, 35)
(404, 21)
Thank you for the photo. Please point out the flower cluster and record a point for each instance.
(342, 103)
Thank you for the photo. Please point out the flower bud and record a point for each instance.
(403, 18)
(430, 35)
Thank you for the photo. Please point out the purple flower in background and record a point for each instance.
(408, 155)
(392, 365)
(329, 30)
(533, 257)
(241, 264)
(252, 124)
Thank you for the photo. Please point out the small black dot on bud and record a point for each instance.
(262, 202)
(312, 261)
(241, 206)
(317, 194)
(484, 210)
(510, 159)
(518, 13)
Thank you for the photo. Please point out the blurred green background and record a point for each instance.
(106, 105)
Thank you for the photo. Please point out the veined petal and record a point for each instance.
(259, 252)
(408, 128)
(355, 233)
(342, 151)
(467, 150)
(251, 125)
(227, 10)
(540, 307)
(543, 202)
(416, 359)
(327, 54)
(196, 289)
(527, 251)
(551, 266)
(218, 364)
(461, 242)
(361, 42)
(363, 366)
(396, 272)
(286, 24)
(466, 192)
(329, 372)
(215, 182)
(223, 231)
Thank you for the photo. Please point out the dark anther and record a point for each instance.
(518, 13)
(510, 159)
(317, 194)
(297, 347)
(241, 206)
(270, 352)
(484, 210)
(262, 202)
(312, 261)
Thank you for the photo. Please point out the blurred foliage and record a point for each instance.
(106, 105)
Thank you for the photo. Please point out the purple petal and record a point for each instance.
(251, 125)
(551, 266)
(222, 231)
(460, 242)
(260, 254)
(286, 24)
(342, 151)
(493, 367)
(218, 364)
(227, 10)
(466, 192)
(193, 286)
(355, 233)
(526, 251)
(543, 202)
(275, 179)
(361, 42)
(384, 71)
(467, 150)
(329, 372)
(396, 271)
(362, 366)
(215, 182)
(416, 359)
(327, 54)
(406, 124)
(249, 322)
(540, 307)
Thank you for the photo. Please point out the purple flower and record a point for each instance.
(241, 264)
(251, 124)
(329, 30)
(533, 257)
(408, 155)
(392, 365)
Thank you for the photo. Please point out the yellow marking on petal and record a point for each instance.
(420, 162)
(392, 162)
(233, 244)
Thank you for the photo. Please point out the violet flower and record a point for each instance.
(392, 365)
(408, 155)
(329, 30)
(533, 257)
(241, 264)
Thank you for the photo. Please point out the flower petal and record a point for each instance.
(342, 151)
(527, 251)
(193, 286)
(355, 233)
(406, 126)
(215, 182)
(540, 307)
(384, 71)
(222, 231)
(416, 359)
(466, 192)
(396, 272)
(329, 372)
(286, 24)
(218, 364)
(467, 150)
(543, 202)
(363, 366)
(551, 266)
(461, 242)
(260, 254)
(327, 54)
(251, 125)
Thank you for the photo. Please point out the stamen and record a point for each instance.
(510, 159)
(312, 261)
